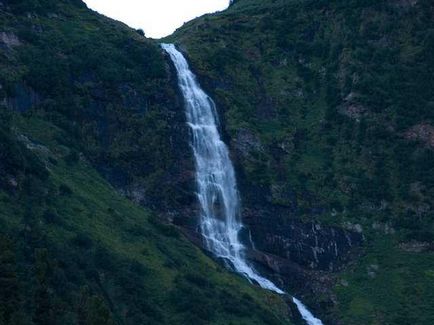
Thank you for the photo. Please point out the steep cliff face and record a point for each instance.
(311, 245)
(327, 113)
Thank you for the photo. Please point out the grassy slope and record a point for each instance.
(388, 286)
(72, 249)
(290, 72)
(94, 241)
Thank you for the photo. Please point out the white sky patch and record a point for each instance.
(158, 18)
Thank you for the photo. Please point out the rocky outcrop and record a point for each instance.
(302, 257)
(310, 245)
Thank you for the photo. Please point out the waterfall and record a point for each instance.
(217, 192)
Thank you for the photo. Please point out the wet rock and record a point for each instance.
(311, 245)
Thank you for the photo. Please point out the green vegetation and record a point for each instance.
(328, 108)
(326, 88)
(87, 111)
(388, 286)
(101, 82)
(74, 251)
(338, 98)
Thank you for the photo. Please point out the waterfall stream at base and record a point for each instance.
(217, 192)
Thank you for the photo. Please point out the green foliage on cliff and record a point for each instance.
(328, 105)
(100, 81)
(331, 90)
(86, 112)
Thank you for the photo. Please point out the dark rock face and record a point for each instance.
(310, 245)
(301, 257)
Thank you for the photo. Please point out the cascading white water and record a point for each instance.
(217, 188)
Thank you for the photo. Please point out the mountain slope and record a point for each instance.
(80, 252)
(328, 109)
(88, 112)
